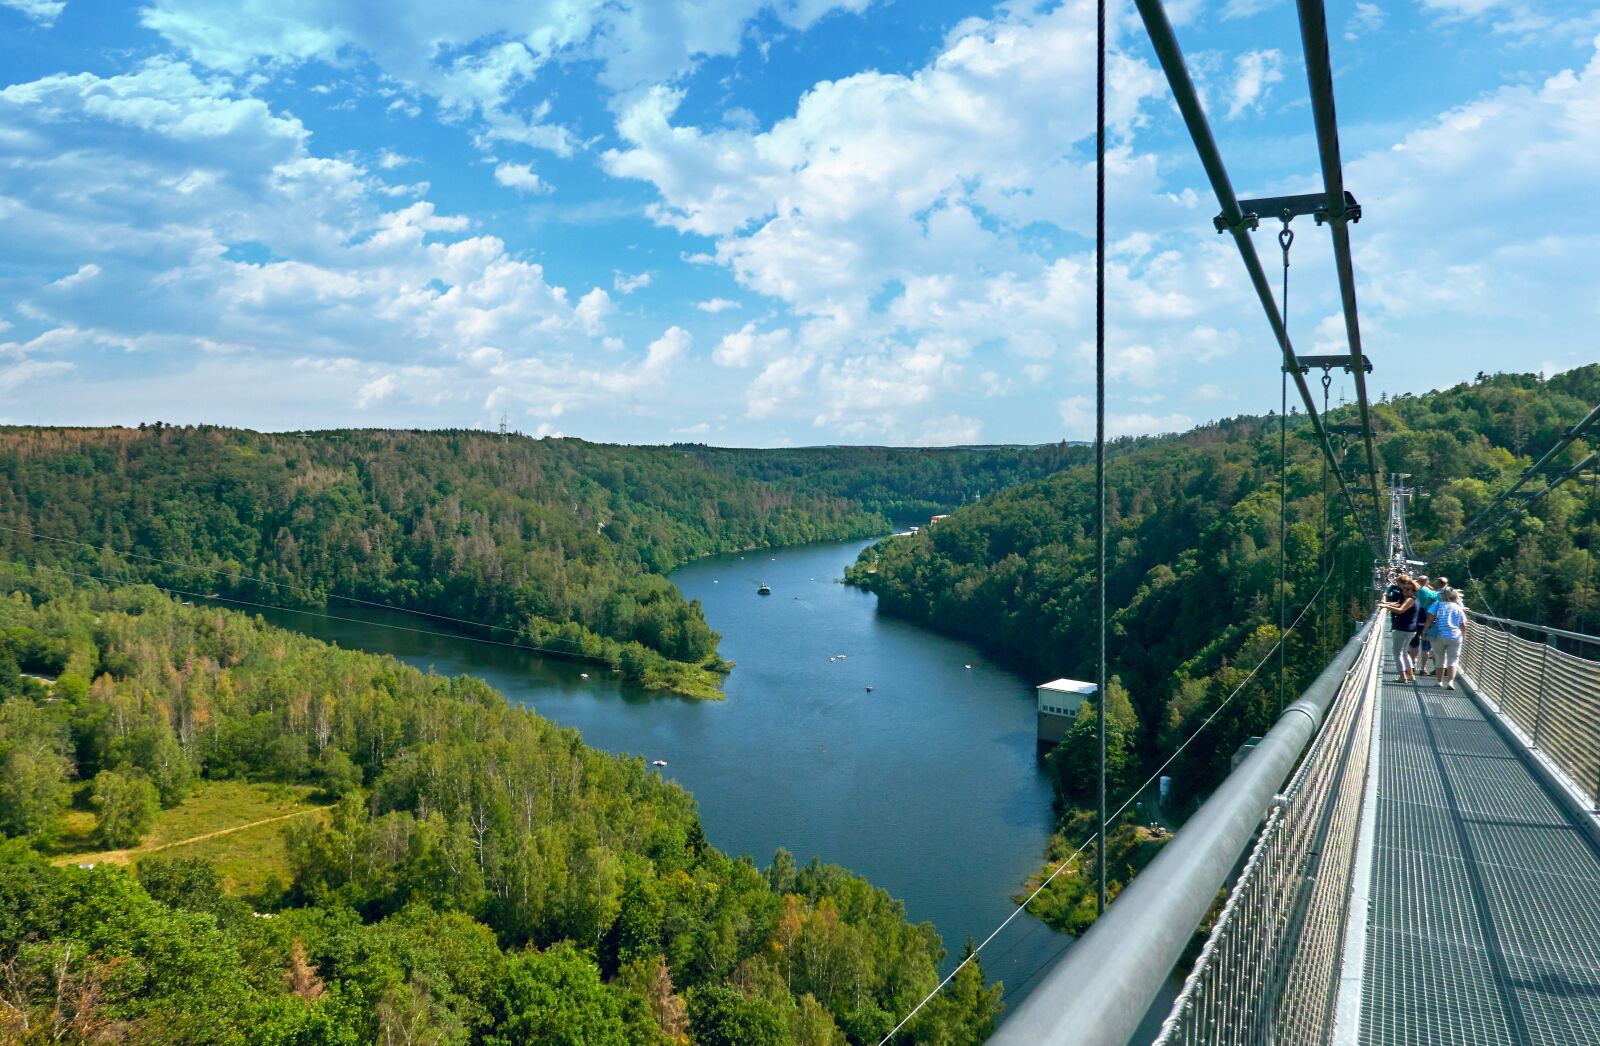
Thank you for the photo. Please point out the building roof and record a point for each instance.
(1069, 686)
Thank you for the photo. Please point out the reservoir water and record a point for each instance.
(927, 784)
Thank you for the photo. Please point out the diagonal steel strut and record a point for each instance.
(1166, 47)
(1319, 75)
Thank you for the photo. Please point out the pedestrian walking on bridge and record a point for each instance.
(1401, 603)
(1445, 632)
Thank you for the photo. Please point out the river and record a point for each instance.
(928, 785)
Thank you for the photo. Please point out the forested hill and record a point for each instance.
(1193, 555)
(560, 542)
(479, 877)
(903, 483)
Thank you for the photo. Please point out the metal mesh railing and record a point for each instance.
(1270, 969)
(1551, 696)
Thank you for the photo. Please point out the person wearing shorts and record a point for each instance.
(1401, 603)
(1449, 617)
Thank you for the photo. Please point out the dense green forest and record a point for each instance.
(481, 877)
(902, 483)
(1193, 564)
(559, 544)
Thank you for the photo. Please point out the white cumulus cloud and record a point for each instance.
(521, 177)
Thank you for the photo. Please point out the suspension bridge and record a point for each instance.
(1395, 862)
(1402, 863)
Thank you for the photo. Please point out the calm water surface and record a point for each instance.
(927, 785)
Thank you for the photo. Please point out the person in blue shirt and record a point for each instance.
(1449, 621)
(1422, 645)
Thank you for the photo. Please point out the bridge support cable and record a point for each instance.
(1285, 241)
(1101, 697)
(1234, 221)
(1477, 525)
(1465, 541)
(1098, 994)
(1319, 78)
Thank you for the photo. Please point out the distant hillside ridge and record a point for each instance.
(902, 483)
(560, 543)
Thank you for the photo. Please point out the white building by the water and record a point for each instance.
(1058, 703)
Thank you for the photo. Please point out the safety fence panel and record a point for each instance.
(1551, 696)
(1270, 968)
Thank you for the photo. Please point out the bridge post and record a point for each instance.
(1544, 679)
(1501, 699)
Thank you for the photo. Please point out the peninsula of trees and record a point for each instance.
(479, 876)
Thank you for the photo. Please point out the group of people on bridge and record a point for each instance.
(1425, 625)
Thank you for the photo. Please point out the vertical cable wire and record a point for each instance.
(1100, 415)
(1285, 238)
(1323, 558)
(1283, 517)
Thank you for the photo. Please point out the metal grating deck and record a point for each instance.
(1484, 925)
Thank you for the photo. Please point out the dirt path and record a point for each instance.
(124, 856)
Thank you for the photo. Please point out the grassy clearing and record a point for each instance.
(235, 824)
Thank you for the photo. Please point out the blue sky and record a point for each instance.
(758, 223)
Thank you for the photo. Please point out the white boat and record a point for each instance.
(658, 762)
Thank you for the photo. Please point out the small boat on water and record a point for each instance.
(658, 762)
(764, 590)
(869, 690)
(583, 675)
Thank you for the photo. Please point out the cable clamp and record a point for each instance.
(1249, 221)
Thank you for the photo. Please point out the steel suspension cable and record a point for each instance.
(1461, 543)
(1285, 241)
(1324, 557)
(1568, 438)
(1102, 697)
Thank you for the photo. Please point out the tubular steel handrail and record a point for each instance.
(1563, 633)
(1099, 993)
(1551, 697)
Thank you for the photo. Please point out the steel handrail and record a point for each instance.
(1099, 993)
(1581, 637)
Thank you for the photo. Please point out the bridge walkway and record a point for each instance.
(1484, 916)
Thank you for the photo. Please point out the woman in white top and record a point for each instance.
(1449, 619)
